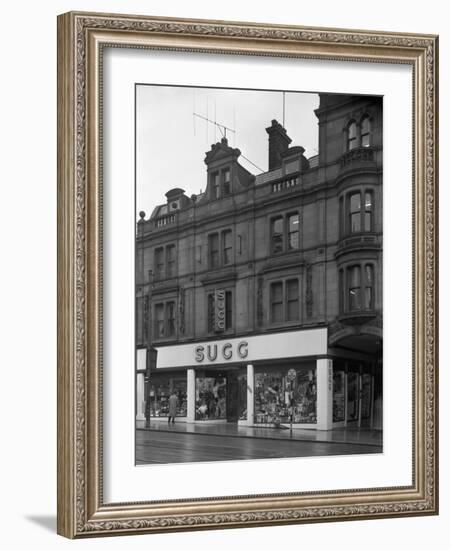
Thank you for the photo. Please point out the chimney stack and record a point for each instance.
(278, 144)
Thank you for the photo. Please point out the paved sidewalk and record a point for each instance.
(351, 436)
(164, 447)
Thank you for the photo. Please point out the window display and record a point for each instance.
(338, 395)
(242, 396)
(277, 397)
(210, 397)
(353, 396)
(160, 390)
(366, 396)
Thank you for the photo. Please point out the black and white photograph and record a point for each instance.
(258, 274)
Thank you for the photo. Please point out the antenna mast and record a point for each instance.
(222, 128)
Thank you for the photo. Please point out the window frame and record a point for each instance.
(354, 213)
(215, 183)
(164, 306)
(285, 233)
(226, 183)
(171, 269)
(272, 301)
(353, 286)
(284, 301)
(157, 333)
(365, 118)
(364, 284)
(357, 141)
(170, 322)
(273, 220)
(351, 142)
(165, 272)
(346, 213)
(289, 300)
(216, 251)
(224, 248)
(289, 232)
(159, 273)
(368, 211)
(221, 241)
(220, 185)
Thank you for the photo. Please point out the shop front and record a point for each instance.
(272, 380)
(260, 380)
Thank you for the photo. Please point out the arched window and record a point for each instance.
(365, 132)
(351, 136)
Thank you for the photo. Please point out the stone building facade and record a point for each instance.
(259, 301)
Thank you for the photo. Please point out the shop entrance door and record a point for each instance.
(232, 396)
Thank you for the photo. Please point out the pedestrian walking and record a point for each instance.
(173, 404)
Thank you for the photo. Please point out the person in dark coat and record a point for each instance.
(173, 404)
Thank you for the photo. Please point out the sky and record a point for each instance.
(172, 142)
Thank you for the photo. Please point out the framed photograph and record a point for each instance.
(247, 289)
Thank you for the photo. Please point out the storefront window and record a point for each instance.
(338, 395)
(277, 397)
(210, 398)
(352, 392)
(366, 396)
(160, 390)
(242, 396)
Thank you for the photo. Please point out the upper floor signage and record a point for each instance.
(219, 310)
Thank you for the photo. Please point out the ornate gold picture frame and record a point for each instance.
(82, 41)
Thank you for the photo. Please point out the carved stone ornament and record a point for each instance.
(81, 511)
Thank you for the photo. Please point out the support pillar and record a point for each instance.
(324, 378)
(140, 398)
(250, 395)
(360, 386)
(190, 395)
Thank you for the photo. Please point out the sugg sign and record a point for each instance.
(217, 352)
(219, 310)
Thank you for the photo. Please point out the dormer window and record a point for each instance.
(226, 183)
(216, 185)
(221, 183)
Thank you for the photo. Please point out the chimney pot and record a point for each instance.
(278, 143)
